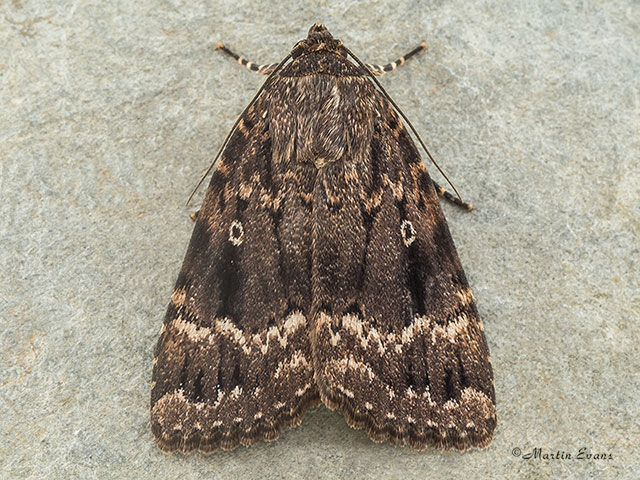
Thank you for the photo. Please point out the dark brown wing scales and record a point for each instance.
(401, 351)
(321, 268)
(233, 362)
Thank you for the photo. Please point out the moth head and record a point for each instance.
(318, 39)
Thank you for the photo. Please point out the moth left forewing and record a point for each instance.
(233, 361)
(407, 360)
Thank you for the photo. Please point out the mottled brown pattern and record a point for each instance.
(321, 269)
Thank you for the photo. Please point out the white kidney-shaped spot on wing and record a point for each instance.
(236, 233)
(408, 233)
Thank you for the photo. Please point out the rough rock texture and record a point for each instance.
(110, 111)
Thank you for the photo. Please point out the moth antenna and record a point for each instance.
(397, 108)
(233, 129)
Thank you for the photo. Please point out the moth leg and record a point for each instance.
(265, 69)
(390, 67)
(452, 198)
(194, 215)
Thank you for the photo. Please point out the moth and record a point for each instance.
(321, 270)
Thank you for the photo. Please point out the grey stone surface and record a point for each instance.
(109, 112)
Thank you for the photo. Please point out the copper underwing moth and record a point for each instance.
(321, 270)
